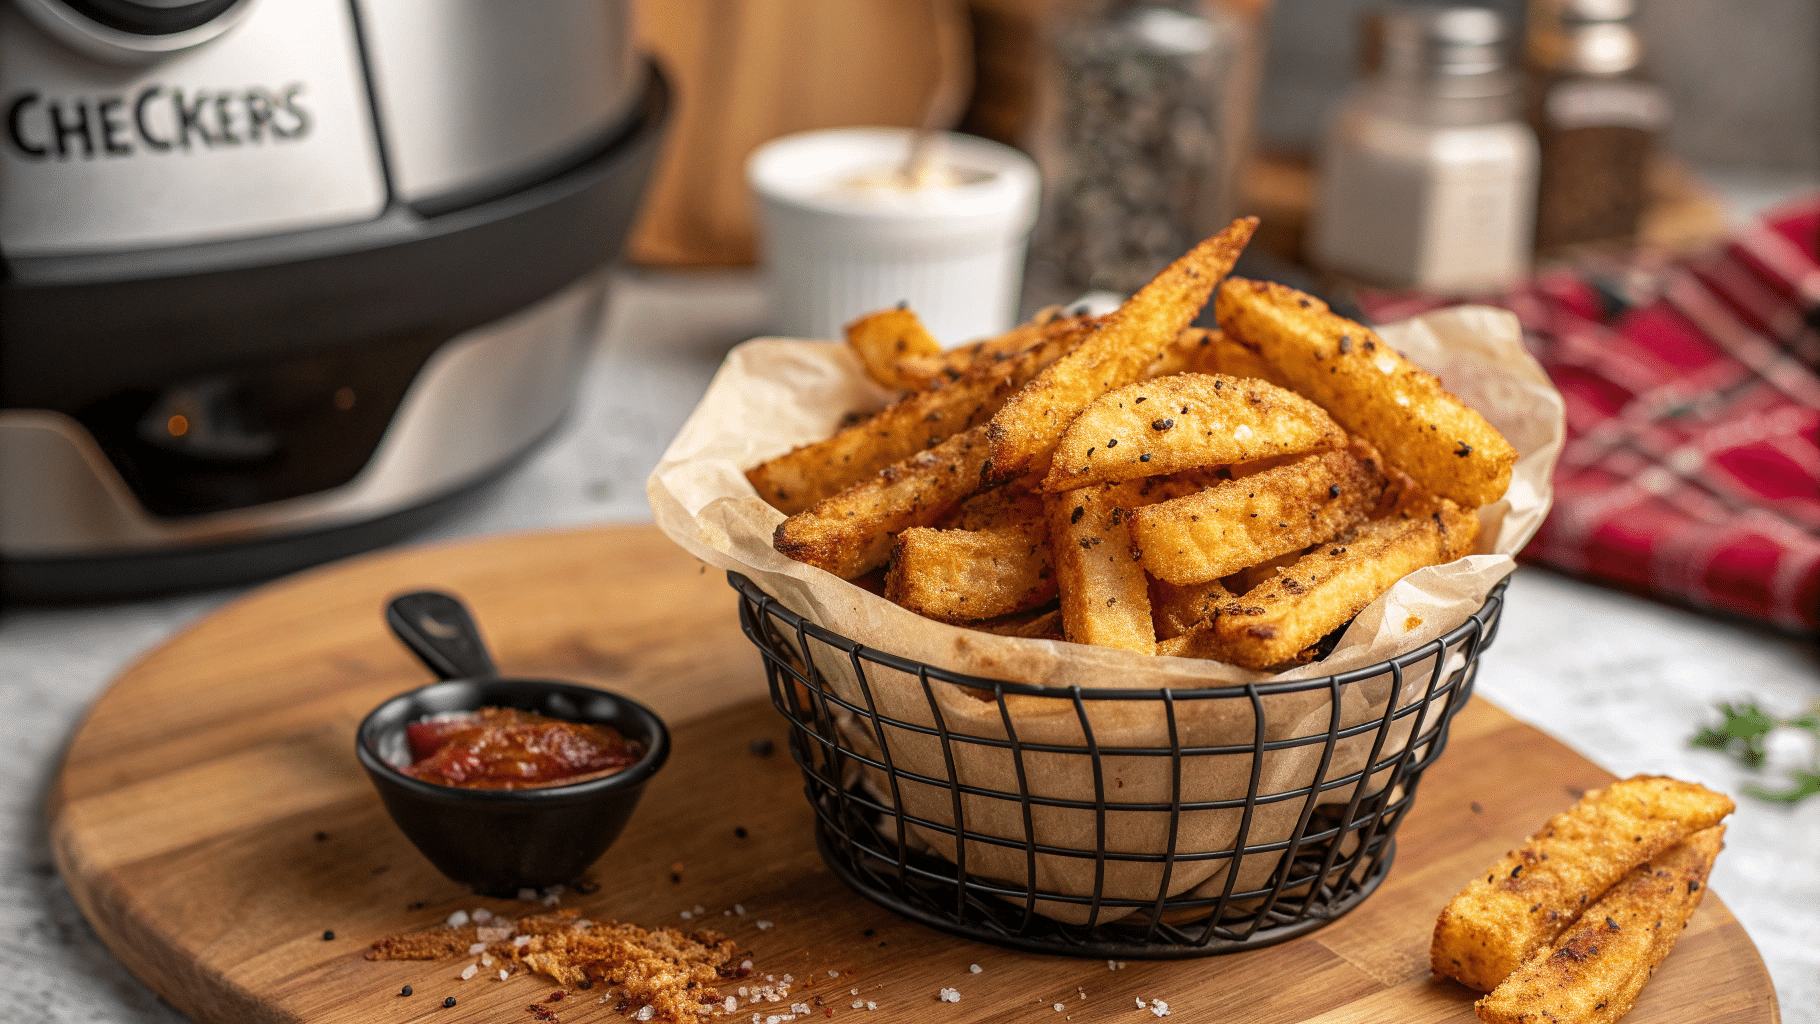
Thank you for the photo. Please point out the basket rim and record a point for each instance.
(1477, 630)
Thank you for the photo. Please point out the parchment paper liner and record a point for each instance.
(773, 394)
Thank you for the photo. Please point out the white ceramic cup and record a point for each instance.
(954, 253)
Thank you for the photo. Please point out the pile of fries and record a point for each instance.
(1570, 926)
(1130, 481)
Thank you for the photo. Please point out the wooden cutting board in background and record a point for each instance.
(212, 822)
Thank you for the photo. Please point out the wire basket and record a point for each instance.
(877, 829)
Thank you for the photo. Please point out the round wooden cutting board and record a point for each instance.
(211, 820)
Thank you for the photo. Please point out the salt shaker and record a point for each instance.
(1427, 171)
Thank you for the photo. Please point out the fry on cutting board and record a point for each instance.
(1371, 389)
(1521, 903)
(1127, 341)
(1594, 973)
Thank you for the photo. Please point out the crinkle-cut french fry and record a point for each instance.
(1243, 522)
(926, 371)
(798, 479)
(1105, 598)
(1520, 904)
(970, 575)
(1187, 421)
(1594, 973)
(1038, 624)
(1177, 610)
(885, 338)
(1127, 341)
(852, 532)
(1288, 613)
(1371, 390)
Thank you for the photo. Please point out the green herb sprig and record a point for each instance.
(1743, 733)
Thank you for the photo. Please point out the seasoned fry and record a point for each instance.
(1016, 502)
(1593, 975)
(1371, 390)
(1127, 341)
(883, 339)
(851, 533)
(1535, 892)
(1275, 621)
(1040, 624)
(1105, 599)
(1192, 351)
(1184, 422)
(798, 479)
(925, 371)
(1242, 522)
(969, 575)
(1177, 610)
(1201, 642)
(1231, 356)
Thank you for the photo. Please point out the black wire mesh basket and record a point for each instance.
(1109, 822)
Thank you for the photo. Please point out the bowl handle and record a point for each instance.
(439, 630)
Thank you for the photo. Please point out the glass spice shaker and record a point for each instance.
(1427, 172)
(1145, 111)
(1597, 116)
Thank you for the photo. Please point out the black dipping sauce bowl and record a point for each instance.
(495, 841)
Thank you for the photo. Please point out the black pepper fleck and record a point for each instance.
(405, 991)
(328, 936)
(320, 836)
(1613, 925)
(449, 1001)
(1333, 490)
(1163, 424)
(1477, 808)
(1464, 450)
(740, 831)
(1144, 457)
(1113, 443)
(1075, 516)
(1345, 343)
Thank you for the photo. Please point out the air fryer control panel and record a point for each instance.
(266, 128)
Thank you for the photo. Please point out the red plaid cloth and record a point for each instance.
(1692, 465)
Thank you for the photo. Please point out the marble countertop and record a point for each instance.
(1621, 679)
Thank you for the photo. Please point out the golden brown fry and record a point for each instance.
(1105, 599)
(851, 533)
(1201, 642)
(1372, 390)
(1229, 355)
(1016, 502)
(969, 575)
(1288, 613)
(1192, 351)
(1242, 522)
(925, 371)
(1535, 892)
(883, 339)
(1251, 577)
(1184, 422)
(798, 479)
(1038, 624)
(1126, 342)
(1594, 973)
(1177, 610)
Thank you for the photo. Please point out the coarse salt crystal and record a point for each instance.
(469, 971)
(762, 925)
(853, 991)
(740, 909)
(799, 1007)
(477, 947)
(503, 974)
(788, 978)
(527, 894)
(949, 995)
(1141, 1003)
(730, 1005)
(645, 1013)
(742, 991)
(699, 909)
(582, 924)
(499, 933)
(859, 1004)
(971, 969)
(521, 941)
(553, 899)
(1059, 1007)
(486, 961)
(458, 918)
(771, 1019)
(833, 974)
(870, 1005)
(685, 915)
(745, 965)
(1160, 1008)
(482, 916)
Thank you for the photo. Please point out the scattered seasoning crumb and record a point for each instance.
(1477, 808)
(740, 831)
(405, 991)
(762, 747)
(762, 925)
(739, 909)
(321, 836)
(685, 915)
(1115, 965)
(328, 936)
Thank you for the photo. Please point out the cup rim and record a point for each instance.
(657, 749)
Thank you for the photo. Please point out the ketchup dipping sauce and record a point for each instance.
(504, 748)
